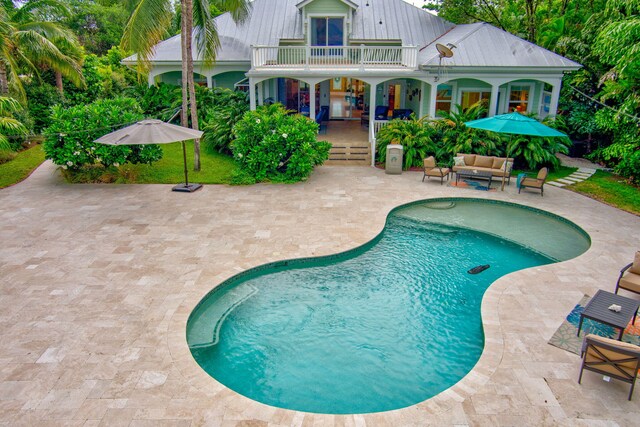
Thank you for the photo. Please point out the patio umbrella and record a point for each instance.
(514, 123)
(155, 132)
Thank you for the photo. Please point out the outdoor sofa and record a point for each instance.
(495, 165)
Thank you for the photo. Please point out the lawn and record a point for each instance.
(610, 189)
(21, 166)
(215, 168)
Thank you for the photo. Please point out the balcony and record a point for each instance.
(362, 58)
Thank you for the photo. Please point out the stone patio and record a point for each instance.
(97, 281)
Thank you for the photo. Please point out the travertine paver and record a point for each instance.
(97, 281)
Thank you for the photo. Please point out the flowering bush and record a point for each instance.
(272, 144)
(69, 142)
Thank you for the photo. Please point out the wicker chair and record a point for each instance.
(616, 359)
(537, 182)
(432, 169)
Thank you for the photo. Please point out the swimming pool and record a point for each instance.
(380, 327)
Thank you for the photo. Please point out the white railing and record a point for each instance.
(403, 57)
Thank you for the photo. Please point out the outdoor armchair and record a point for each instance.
(537, 182)
(381, 112)
(433, 169)
(629, 278)
(616, 359)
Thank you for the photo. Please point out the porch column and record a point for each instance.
(373, 90)
(312, 100)
(210, 82)
(433, 93)
(260, 94)
(423, 90)
(151, 79)
(555, 96)
(493, 101)
(252, 94)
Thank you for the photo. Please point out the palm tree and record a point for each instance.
(29, 42)
(149, 24)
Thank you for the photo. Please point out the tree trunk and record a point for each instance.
(4, 83)
(184, 121)
(530, 7)
(192, 88)
(59, 84)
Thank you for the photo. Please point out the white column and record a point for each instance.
(312, 100)
(493, 101)
(210, 82)
(555, 96)
(373, 89)
(433, 93)
(423, 91)
(151, 79)
(260, 94)
(252, 94)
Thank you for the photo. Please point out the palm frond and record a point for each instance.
(146, 27)
(40, 8)
(206, 34)
(49, 30)
(239, 9)
(42, 51)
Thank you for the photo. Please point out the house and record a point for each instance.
(351, 56)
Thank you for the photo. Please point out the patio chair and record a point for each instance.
(616, 359)
(402, 113)
(381, 113)
(537, 182)
(432, 169)
(629, 278)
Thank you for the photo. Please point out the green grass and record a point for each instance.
(610, 189)
(21, 166)
(215, 168)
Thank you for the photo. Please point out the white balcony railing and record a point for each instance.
(335, 57)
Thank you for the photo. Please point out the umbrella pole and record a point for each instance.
(505, 163)
(184, 156)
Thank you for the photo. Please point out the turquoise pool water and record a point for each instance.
(381, 327)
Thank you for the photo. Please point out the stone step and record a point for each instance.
(556, 184)
(564, 181)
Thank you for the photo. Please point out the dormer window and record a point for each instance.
(327, 31)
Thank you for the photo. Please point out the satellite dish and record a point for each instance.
(444, 51)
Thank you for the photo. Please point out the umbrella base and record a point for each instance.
(187, 188)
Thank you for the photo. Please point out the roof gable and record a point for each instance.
(349, 3)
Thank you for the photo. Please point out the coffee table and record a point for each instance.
(474, 174)
(598, 309)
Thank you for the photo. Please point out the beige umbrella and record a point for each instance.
(155, 132)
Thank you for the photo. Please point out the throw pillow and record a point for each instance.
(635, 267)
(509, 166)
(458, 161)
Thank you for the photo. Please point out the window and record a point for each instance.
(444, 96)
(468, 98)
(519, 98)
(327, 31)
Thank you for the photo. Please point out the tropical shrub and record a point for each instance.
(455, 137)
(9, 125)
(69, 138)
(160, 101)
(415, 136)
(271, 144)
(230, 108)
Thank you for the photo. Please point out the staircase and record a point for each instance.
(349, 144)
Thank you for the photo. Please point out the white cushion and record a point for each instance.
(458, 161)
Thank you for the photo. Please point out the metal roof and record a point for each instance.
(483, 45)
(479, 45)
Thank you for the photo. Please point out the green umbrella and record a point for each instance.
(514, 123)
